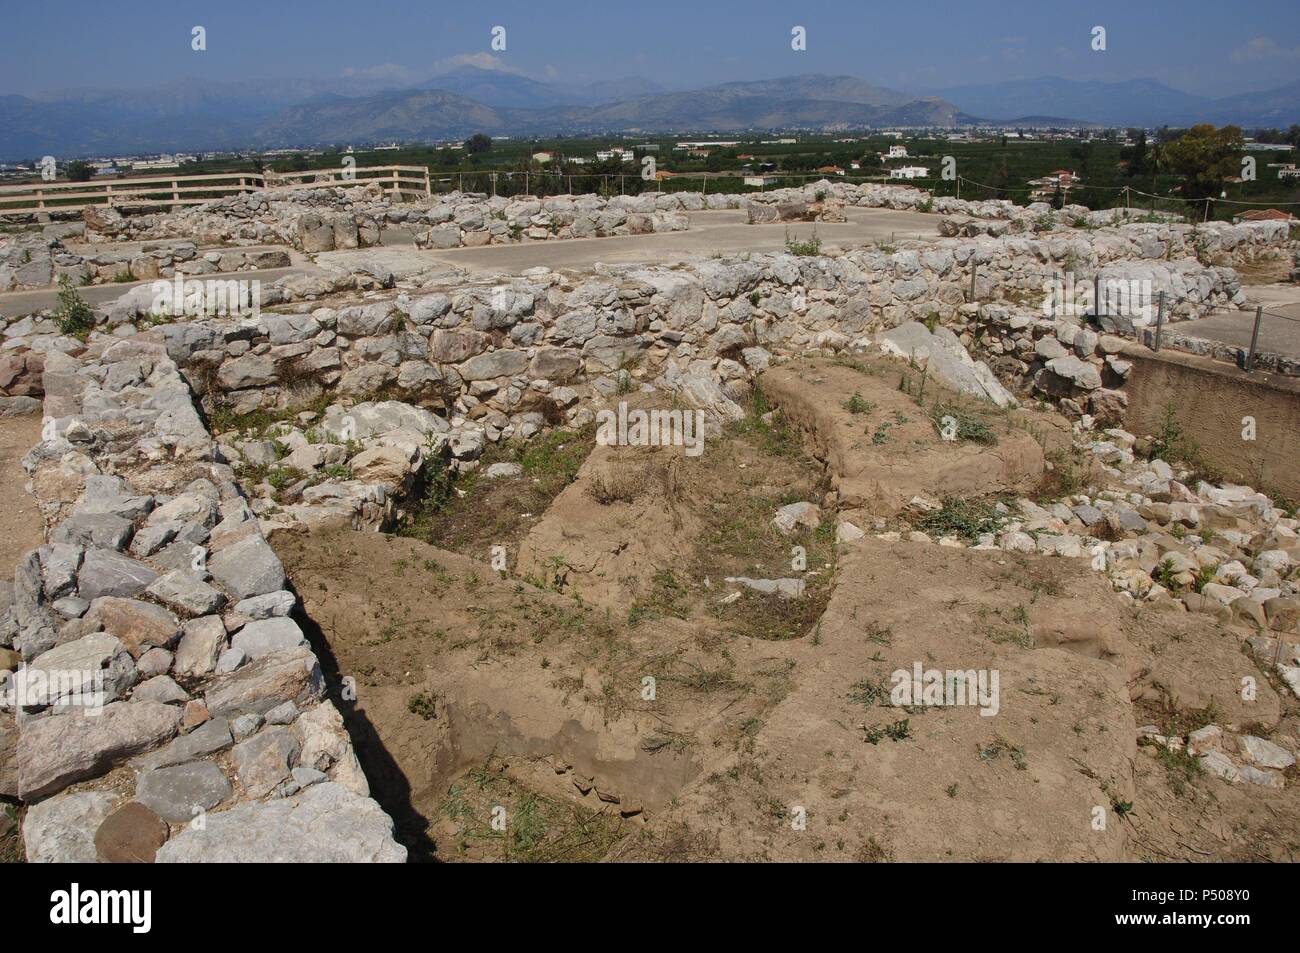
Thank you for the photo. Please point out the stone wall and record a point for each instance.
(29, 261)
(152, 636)
(325, 219)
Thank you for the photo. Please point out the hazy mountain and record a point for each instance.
(406, 115)
(1278, 107)
(196, 115)
(499, 88)
(613, 90)
(809, 102)
(1138, 102)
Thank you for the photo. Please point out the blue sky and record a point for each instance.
(1202, 46)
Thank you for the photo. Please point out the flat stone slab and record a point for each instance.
(208, 738)
(325, 823)
(182, 792)
(268, 636)
(57, 750)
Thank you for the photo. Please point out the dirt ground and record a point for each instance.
(605, 698)
(21, 528)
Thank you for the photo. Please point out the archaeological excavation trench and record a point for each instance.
(525, 690)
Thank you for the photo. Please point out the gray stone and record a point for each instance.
(1088, 515)
(247, 568)
(268, 606)
(153, 662)
(107, 573)
(264, 760)
(61, 830)
(229, 661)
(496, 364)
(59, 563)
(267, 682)
(160, 688)
(58, 750)
(186, 591)
(1265, 753)
(267, 636)
(202, 642)
(77, 672)
(245, 725)
(282, 714)
(1079, 373)
(180, 793)
(324, 823)
(209, 738)
(101, 530)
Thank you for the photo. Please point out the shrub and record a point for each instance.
(75, 317)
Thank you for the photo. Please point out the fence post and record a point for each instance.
(1096, 297)
(1254, 338)
(974, 267)
(1160, 318)
(176, 192)
(428, 186)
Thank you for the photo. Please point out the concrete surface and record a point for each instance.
(723, 231)
(1279, 330)
(15, 304)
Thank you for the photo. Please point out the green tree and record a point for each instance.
(478, 143)
(78, 171)
(1203, 157)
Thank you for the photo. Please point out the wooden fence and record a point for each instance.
(180, 190)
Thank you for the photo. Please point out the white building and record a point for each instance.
(909, 172)
(897, 152)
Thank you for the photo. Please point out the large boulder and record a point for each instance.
(326, 823)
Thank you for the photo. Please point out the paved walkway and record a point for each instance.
(15, 304)
(1279, 330)
(721, 231)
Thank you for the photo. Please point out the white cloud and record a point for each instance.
(480, 60)
(1263, 48)
(384, 71)
(398, 73)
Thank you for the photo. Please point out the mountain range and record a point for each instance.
(1137, 102)
(195, 115)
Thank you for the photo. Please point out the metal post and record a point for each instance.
(1096, 297)
(1254, 338)
(973, 268)
(1160, 318)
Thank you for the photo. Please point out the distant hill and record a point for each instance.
(195, 115)
(1138, 102)
(808, 102)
